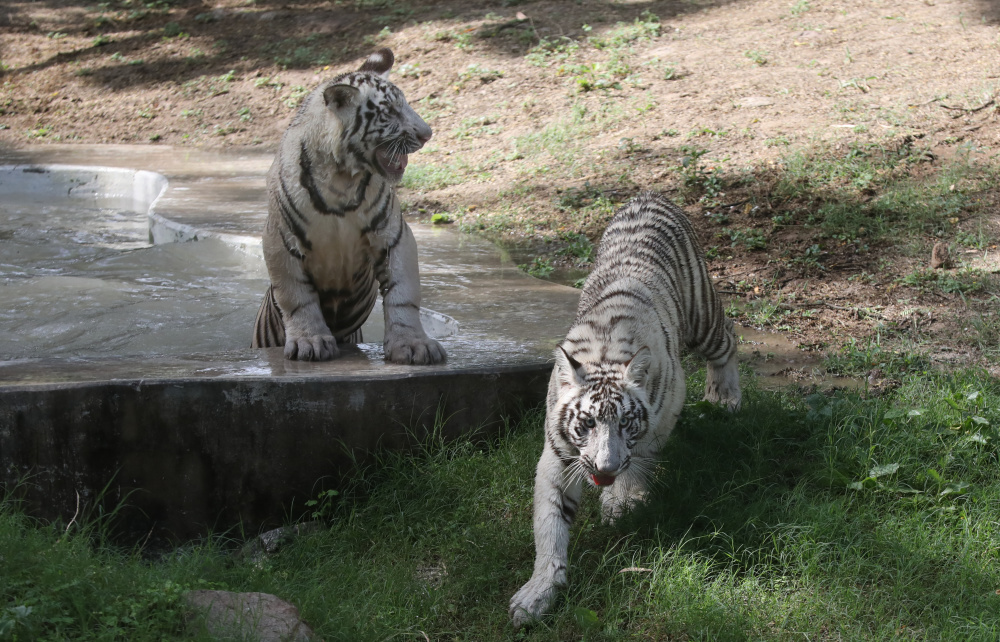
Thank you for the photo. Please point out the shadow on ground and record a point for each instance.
(293, 35)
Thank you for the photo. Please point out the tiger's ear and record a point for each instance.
(569, 370)
(638, 366)
(379, 63)
(338, 97)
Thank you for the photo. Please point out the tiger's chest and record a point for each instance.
(342, 255)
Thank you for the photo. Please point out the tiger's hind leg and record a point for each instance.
(269, 329)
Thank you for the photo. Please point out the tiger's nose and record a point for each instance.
(607, 464)
(422, 132)
(606, 469)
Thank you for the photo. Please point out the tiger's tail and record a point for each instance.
(268, 327)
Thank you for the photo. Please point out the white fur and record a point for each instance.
(621, 360)
(340, 245)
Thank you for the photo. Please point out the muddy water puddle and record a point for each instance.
(779, 363)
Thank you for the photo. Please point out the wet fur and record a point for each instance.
(335, 238)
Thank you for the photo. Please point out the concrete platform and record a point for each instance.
(207, 441)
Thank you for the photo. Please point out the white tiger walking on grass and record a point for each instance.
(335, 236)
(618, 387)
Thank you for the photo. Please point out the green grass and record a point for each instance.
(477, 127)
(645, 27)
(983, 331)
(548, 51)
(56, 585)
(856, 359)
(431, 177)
(802, 517)
(761, 312)
(566, 140)
(300, 53)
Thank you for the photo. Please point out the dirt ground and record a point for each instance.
(548, 114)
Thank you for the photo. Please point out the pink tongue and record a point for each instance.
(399, 165)
(603, 480)
(390, 165)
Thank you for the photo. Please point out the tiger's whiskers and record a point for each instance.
(575, 472)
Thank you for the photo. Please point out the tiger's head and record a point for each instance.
(368, 124)
(600, 414)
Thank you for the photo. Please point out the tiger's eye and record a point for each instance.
(589, 422)
(624, 421)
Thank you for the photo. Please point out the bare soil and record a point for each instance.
(548, 114)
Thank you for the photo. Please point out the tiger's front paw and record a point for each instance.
(722, 386)
(317, 347)
(407, 348)
(532, 601)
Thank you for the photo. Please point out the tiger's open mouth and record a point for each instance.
(602, 480)
(392, 164)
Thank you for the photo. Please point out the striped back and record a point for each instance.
(650, 241)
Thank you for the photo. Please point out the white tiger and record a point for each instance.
(618, 386)
(335, 236)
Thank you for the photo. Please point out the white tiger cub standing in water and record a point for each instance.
(618, 386)
(335, 236)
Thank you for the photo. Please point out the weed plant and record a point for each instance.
(823, 516)
(964, 280)
(539, 267)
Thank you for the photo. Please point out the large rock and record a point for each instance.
(248, 616)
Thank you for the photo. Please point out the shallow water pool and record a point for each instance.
(85, 281)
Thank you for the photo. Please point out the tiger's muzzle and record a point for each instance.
(393, 156)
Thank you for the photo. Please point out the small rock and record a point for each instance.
(939, 257)
(879, 385)
(432, 574)
(268, 543)
(260, 617)
(755, 101)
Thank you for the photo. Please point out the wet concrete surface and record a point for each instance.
(505, 318)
